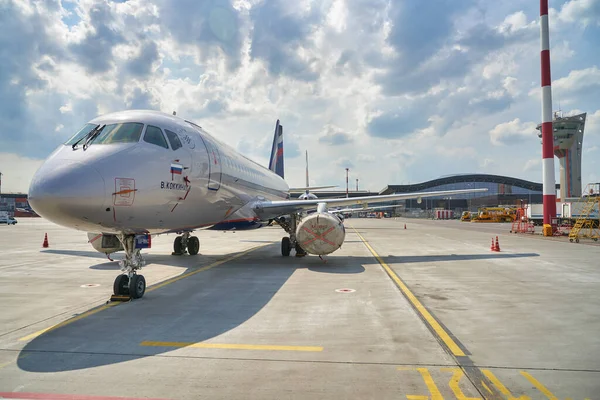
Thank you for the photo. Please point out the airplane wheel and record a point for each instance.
(286, 247)
(120, 287)
(178, 245)
(193, 245)
(138, 286)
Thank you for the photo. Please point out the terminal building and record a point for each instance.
(501, 190)
(16, 205)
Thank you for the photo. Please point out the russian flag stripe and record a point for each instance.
(176, 169)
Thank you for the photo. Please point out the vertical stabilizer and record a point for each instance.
(276, 161)
(307, 183)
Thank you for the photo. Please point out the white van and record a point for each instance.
(7, 220)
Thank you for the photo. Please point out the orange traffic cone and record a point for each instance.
(497, 247)
(404, 226)
(492, 247)
(45, 244)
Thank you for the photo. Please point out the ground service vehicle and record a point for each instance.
(495, 214)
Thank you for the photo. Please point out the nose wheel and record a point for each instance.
(133, 287)
(130, 284)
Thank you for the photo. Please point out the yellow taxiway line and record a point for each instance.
(437, 328)
(231, 346)
(149, 289)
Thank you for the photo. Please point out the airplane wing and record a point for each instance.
(356, 209)
(272, 209)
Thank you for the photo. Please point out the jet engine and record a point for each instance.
(320, 233)
(105, 243)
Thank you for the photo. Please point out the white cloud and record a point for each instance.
(592, 124)
(17, 172)
(533, 164)
(381, 77)
(561, 52)
(513, 132)
(578, 81)
(584, 12)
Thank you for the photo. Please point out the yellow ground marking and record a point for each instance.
(442, 334)
(539, 386)
(67, 322)
(6, 364)
(435, 392)
(501, 387)
(455, 384)
(232, 346)
(486, 387)
(416, 397)
(19, 357)
(149, 289)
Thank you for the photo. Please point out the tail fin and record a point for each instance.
(307, 183)
(276, 161)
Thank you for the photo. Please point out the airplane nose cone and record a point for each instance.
(68, 193)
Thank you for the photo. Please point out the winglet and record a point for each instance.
(276, 160)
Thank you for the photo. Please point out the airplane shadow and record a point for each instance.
(191, 310)
(195, 309)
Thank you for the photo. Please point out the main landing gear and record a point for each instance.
(130, 284)
(289, 243)
(186, 243)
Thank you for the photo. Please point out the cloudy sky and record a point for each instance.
(398, 91)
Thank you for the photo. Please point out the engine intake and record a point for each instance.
(320, 233)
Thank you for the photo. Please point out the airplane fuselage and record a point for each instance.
(130, 179)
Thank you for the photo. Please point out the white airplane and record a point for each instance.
(133, 174)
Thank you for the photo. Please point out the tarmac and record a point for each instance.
(427, 312)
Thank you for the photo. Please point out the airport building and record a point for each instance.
(15, 204)
(501, 190)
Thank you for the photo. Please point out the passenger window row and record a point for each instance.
(256, 174)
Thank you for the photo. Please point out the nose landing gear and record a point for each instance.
(129, 285)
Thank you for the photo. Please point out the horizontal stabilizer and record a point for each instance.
(304, 189)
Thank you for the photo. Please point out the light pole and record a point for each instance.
(357, 184)
(347, 169)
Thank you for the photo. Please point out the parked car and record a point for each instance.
(8, 220)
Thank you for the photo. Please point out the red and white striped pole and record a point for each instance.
(549, 185)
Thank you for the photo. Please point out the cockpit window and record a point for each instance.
(128, 132)
(155, 136)
(87, 128)
(173, 139)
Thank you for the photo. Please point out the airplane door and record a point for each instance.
(214, 164)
